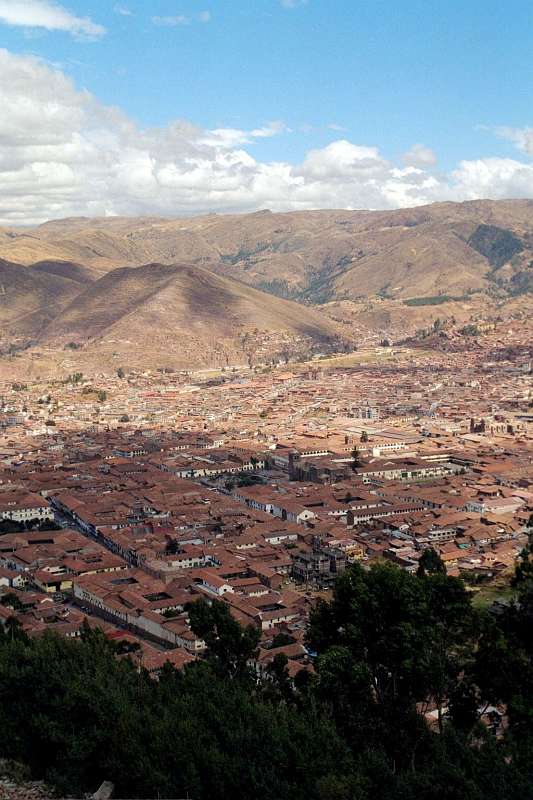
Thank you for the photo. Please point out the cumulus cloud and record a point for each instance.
(496, 178)
(48, 15)
(420, 156)
(342, 161)
(63, 153)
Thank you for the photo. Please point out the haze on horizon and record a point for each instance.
(188, 108)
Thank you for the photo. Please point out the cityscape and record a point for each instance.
(266, 401)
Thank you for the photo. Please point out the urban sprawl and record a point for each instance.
(125, 499)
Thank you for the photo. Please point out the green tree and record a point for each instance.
(282, 639)
(229, 645)
(430, 563)
(76, 715)
(279, 675)
(11, 600)
(387, 642)
(12, 631)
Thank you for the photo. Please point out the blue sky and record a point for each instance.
(376, 73)
(391, 73)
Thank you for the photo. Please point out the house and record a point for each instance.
(292, 510)
(11, 579)
(24, 506)
(212, 583)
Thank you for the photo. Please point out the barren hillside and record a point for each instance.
(313, 256)
(185, 315)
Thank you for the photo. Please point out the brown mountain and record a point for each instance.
(66, 269)
(113, 286)
(314, 256)
(184, 315)
(31, 297)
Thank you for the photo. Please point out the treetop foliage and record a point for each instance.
(390, 648)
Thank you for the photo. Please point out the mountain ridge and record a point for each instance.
(196, 288)
(178, 315)
(311, 256)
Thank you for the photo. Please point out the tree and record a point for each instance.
(126, 647)
(229, 645)
(454, 631)
(381, 617)
(356, 461)
(172, 546)
(190, 733)
(12, 631)
(364, 436)
(430, 563)
(120, 373)
(279, 675)
(281, 639)
(386, 642)
(11, 600)
(352, 731)
(503, 665)
(523, 575)
(10, 526)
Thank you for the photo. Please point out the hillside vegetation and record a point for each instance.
(390, 647)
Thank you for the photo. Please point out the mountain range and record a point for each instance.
(279, 282)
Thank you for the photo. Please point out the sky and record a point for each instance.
(179, 107)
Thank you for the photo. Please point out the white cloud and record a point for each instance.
(181, 19)
(123, 11)
(342, 161)
(63, 153)
(273, 128)
(496, 178)
(420, 156)
(521, 137)
(171, 22)
(231, 137)
(48, 15)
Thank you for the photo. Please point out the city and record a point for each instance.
(125, 502)
(266, 400)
